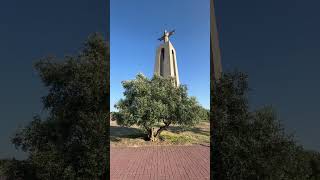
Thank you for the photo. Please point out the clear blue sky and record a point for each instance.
(135, 27)
(278, 44)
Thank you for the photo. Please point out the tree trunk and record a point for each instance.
(154, 135)
(161, 129)
(151, 134)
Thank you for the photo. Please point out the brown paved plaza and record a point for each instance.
(160, 162)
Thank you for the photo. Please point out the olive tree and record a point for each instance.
(154, 102)
(71, 141)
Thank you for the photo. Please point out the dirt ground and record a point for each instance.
(176, 135)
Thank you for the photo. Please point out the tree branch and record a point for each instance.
(167, 124)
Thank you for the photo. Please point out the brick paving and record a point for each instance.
(160, 163)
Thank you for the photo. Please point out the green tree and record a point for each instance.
(205, 114)
(149, 103)
(314, 162)
(71, 142)
(12, 169)
(251, 144)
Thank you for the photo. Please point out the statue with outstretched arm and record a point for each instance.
(166, 35)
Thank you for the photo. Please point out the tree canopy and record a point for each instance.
(71, 141)
(252, 144)
(151, 102)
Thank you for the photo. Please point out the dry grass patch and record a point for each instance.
(176, 135)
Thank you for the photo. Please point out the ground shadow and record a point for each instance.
(118, 132)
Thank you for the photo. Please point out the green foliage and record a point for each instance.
(71, 143)
(252, 145)
(148, 103)
(14, 169)
(205, 114)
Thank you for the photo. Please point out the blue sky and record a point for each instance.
(135, 27)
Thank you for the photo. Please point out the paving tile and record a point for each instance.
(160, 162)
